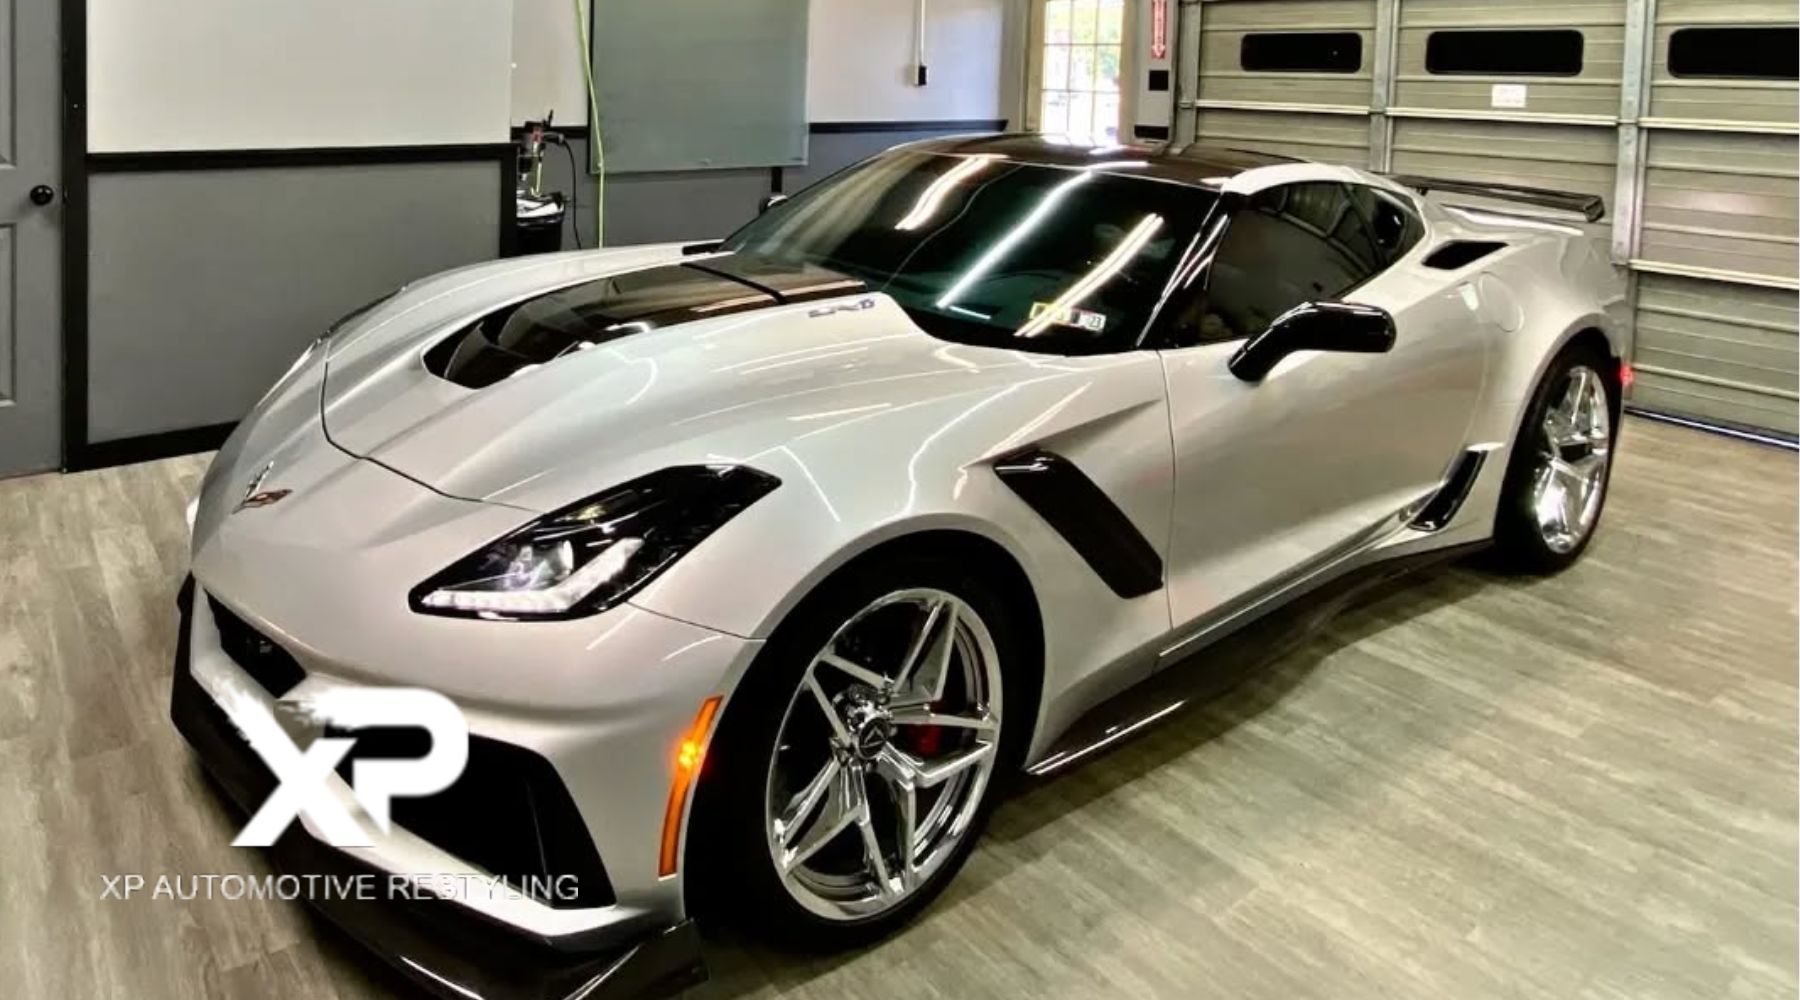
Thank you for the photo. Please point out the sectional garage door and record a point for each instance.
(1283, 103)
(1715, 248)
(1689, 137)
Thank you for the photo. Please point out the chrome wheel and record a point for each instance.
(884, 754)
(1570, 479)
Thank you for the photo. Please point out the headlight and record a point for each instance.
(590, 556)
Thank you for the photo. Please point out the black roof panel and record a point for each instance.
(1194, 163)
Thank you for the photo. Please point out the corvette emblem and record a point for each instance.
(253, 498)
(841, 307)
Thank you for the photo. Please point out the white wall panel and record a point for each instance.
(255, 74)
(547, 62)
(859, 54)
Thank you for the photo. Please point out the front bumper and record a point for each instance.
(452, 949)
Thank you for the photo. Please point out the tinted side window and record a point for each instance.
(1394, 225)
(1289, 245)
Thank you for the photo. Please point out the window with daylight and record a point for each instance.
(1751, 53)
(1083, 47)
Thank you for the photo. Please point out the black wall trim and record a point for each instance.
(150, 447)
(1086, 517)
(928, 125)
(78, 452)
(75, 231)
(566, 131)
(336, 156)
(1742, 432)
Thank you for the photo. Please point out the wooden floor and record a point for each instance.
(1580, 787)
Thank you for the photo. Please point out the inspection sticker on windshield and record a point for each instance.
(1084, 319)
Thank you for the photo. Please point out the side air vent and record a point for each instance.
(1078, 510)
(1460, 254)
(1441, 509)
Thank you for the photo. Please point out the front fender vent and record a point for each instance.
(1085, 517)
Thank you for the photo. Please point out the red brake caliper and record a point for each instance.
(925, 741)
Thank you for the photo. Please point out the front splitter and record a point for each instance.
(448, 949)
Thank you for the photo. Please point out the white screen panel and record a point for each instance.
(254, 74)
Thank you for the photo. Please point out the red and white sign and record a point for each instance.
(1159, 29)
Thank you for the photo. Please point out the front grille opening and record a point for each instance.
(509, 814)
(1460, 254)
(268, 664)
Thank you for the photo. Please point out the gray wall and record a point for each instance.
(204, 285)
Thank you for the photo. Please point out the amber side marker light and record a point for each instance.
(688, 757)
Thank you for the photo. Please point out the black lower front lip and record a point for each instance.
(445, 947)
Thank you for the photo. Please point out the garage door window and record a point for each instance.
(1082, 52)
(1301, 52)
(1504, 53)
(1761, 53)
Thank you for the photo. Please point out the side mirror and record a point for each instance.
(1314, 326)
(770, 201)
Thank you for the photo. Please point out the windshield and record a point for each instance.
(985, 250)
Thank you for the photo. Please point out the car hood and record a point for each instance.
(629, 361)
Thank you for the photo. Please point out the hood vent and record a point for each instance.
(539, 330)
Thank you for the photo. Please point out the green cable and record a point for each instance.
(594, 144)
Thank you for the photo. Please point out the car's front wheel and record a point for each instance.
(1561, 464)
(856, 766)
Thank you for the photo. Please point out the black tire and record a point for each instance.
(732, 875)
(1519, 545)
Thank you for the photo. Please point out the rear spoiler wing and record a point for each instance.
(1588, 206)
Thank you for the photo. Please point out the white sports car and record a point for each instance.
(756, 566)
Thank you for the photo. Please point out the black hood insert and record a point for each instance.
(539, 330)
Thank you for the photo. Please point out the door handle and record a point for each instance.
(42, 195)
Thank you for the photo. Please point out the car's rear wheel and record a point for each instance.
(1561, 465)
(856, 767)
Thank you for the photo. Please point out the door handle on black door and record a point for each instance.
(43, 194)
